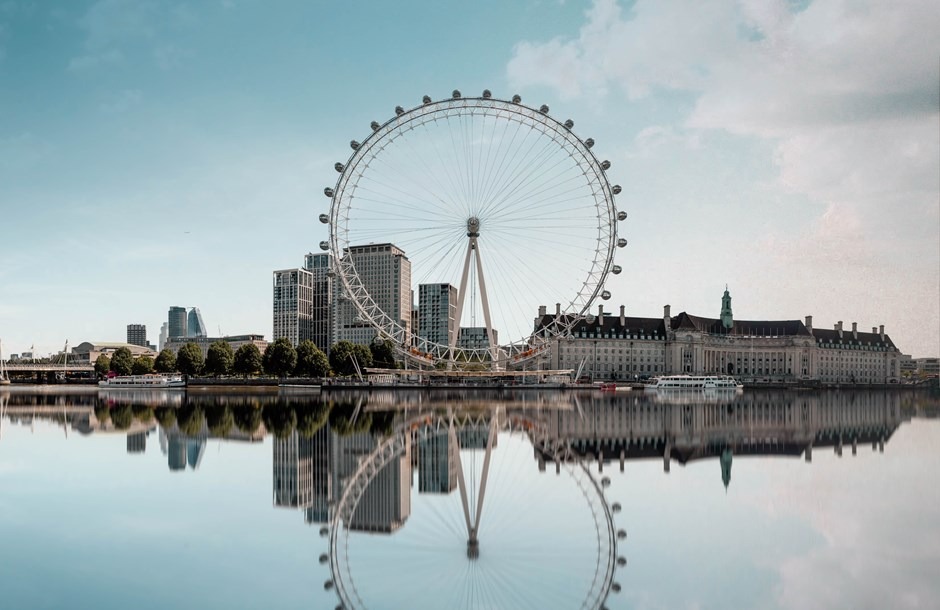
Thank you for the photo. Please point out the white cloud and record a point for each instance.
(845, 91)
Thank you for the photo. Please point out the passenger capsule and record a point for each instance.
(589, 142)
(569, 124)
(615, 587)
(324, 558)
(324, 218)
(486, 94)
(324, 245)
(605, 165)
(339, 167)
(374, 125)
(354, 145)
(456, 94)
(621, 534)
(328, 192)
(616, 189)
(328, 585)
(324, 531)
(616, 269)
(621, 215)
(605, 482)
(516, 99)
(605, 295)
(621, 561)
(426, 99)
(399, 110)
(543, 109)
(615, 507)
(621, 242)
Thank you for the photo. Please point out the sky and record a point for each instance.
(171, 153)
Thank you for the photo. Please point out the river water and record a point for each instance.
(468, 499)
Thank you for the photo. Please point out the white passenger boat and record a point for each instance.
(136, 382)
(695, 382)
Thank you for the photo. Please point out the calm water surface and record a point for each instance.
(469, 500)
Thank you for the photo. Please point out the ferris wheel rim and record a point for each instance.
(384, 135)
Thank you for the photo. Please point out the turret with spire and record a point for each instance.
(727, 320)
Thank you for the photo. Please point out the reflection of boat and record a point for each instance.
(154, 397)
(695, 382)
(143, 381)
(613, 387)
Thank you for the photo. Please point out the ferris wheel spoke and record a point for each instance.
(446, 168)
(502, 162)
(445, 193)
(512, 158)
(523, 163)
(549, 193)
(538, 168)
(433, 199)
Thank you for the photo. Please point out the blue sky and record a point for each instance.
(170, 153)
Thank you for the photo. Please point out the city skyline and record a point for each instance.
(789, 151)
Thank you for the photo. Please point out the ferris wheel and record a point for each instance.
(495, 207)
(536, 542)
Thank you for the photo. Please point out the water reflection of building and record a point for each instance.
(183, 450)
(437, 463)
(309, 474)
(137, 442)
(752, 424)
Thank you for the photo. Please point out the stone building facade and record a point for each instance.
(612, 347)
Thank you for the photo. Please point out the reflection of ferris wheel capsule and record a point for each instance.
(487, 195)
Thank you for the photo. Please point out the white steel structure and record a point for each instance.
(492, 195)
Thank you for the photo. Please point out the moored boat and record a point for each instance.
(695, 382)
(143, 381)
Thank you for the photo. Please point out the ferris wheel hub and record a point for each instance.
(473, 227)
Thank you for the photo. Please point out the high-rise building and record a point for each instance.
(137, 334)
(385, 273)
(195, 327)
(164, 335)
(474, 337)
(321, 311)
(176, 322)
(437, 313)
(293, 305)
(437, 464)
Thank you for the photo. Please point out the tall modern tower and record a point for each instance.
(195, 327)
(385, 273)
(321, 312)
(293, 305)
(176, 321)
(164, 335)
(437, 313)
(137, 334)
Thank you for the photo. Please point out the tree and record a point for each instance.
(122, 362)
(280, 358)
(345, 421)
(311, 417)
(311, 362)
(383, 353)
(102, 413)
(122, 416)
(189, 359)
(166, 416)
(279, 419)
(166, 361)
(102, 365)
(247, 360)
(142, 366)
(220, 420)
(248, 419)
(143, 413)
(190, 419)
(219, 358)
(344, 352)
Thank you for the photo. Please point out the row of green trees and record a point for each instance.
(280, 359)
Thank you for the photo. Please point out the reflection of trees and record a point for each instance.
(247, 418)
(383, 422)
(190, 419)
(122, 416)
(102, 413)
(143, 413)
(311, 417)
(279, 419)
(220, 420)
(341, 419)
(166, 416)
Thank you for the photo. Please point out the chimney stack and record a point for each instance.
(839, 328)
(809, 324)
(666, 315)
(855, 330)
(542, 309)
(557, 310)
(600, 314)
(881, 330)
(623, 319)
(874, 330)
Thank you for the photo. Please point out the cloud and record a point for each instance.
(846, 94)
